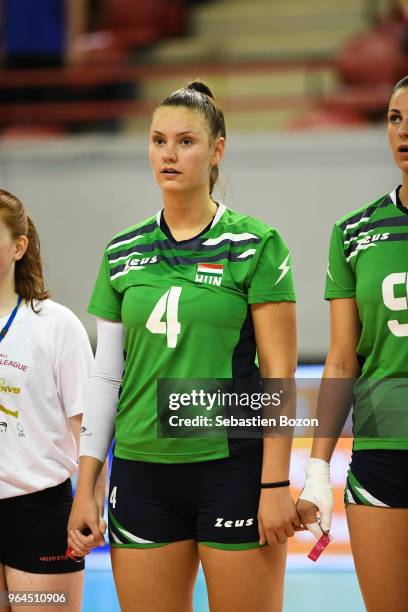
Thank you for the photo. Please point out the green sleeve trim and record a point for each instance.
(277, 296)
(106, 314)
(339, 293)
(380, 443)
(219, 453)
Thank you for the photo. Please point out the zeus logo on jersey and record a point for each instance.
(211, 274)
(139, 263)
(221, 522)
(374, 238)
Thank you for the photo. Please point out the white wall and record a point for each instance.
(82, 191)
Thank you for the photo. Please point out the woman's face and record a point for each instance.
(397, 126)
(11, 250)
(181, 151)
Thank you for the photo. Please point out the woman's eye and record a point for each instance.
(157, 140)
(394, 118)
(187, 141)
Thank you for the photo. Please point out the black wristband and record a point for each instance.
(275, 485)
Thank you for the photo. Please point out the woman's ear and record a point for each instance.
(21, 245)
(218, 152)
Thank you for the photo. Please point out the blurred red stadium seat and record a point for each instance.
(373, 57)
(173, 17)
(129, 25)
(137, 24)
(368, 65)
(102, 48)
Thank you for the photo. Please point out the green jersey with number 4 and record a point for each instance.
(368, 260)
(185, 309)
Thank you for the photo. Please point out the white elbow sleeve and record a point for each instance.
(98, 422)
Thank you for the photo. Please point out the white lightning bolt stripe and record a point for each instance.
(356, 237)
(360, 247)
(124, 257)
(117, 244)
(115, 537)
(124, 272)
(229, 236)
(328, 273)
(373, 500)
(353, 225)
(132, 537)
(247, 253)
(350, 498)
(284, 267)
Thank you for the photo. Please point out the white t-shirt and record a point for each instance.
(45, 361)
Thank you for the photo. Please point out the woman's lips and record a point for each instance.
(403, 152)
(170, 173)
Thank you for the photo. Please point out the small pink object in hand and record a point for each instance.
(71, 555)
(319, 547)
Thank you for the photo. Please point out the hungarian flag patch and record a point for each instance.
(209, 273)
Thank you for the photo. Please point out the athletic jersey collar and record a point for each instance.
(394, 195)
(220, 211)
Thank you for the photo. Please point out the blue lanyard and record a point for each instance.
(11, 318)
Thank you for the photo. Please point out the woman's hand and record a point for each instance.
(86, 525)
(316, 497)
(277, 516)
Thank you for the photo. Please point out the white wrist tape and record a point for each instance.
(317, 490)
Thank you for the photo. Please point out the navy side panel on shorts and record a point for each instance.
(378, 478)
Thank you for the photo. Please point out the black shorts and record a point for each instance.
(213, 502)
(378, 478)
(34, 531)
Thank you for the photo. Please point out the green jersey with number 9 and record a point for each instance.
(368, 260)
(185, 309)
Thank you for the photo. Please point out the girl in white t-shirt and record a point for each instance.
(45, 357)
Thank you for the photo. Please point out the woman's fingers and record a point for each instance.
(262, 535)
(307, 512)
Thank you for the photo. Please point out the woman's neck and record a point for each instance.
(8, 297)
(188, 216)
(403, 193)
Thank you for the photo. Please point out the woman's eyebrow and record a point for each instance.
(178, 133)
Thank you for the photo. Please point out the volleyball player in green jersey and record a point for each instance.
(368, 290)
(195, 291)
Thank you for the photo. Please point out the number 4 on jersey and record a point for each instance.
(166, 306)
